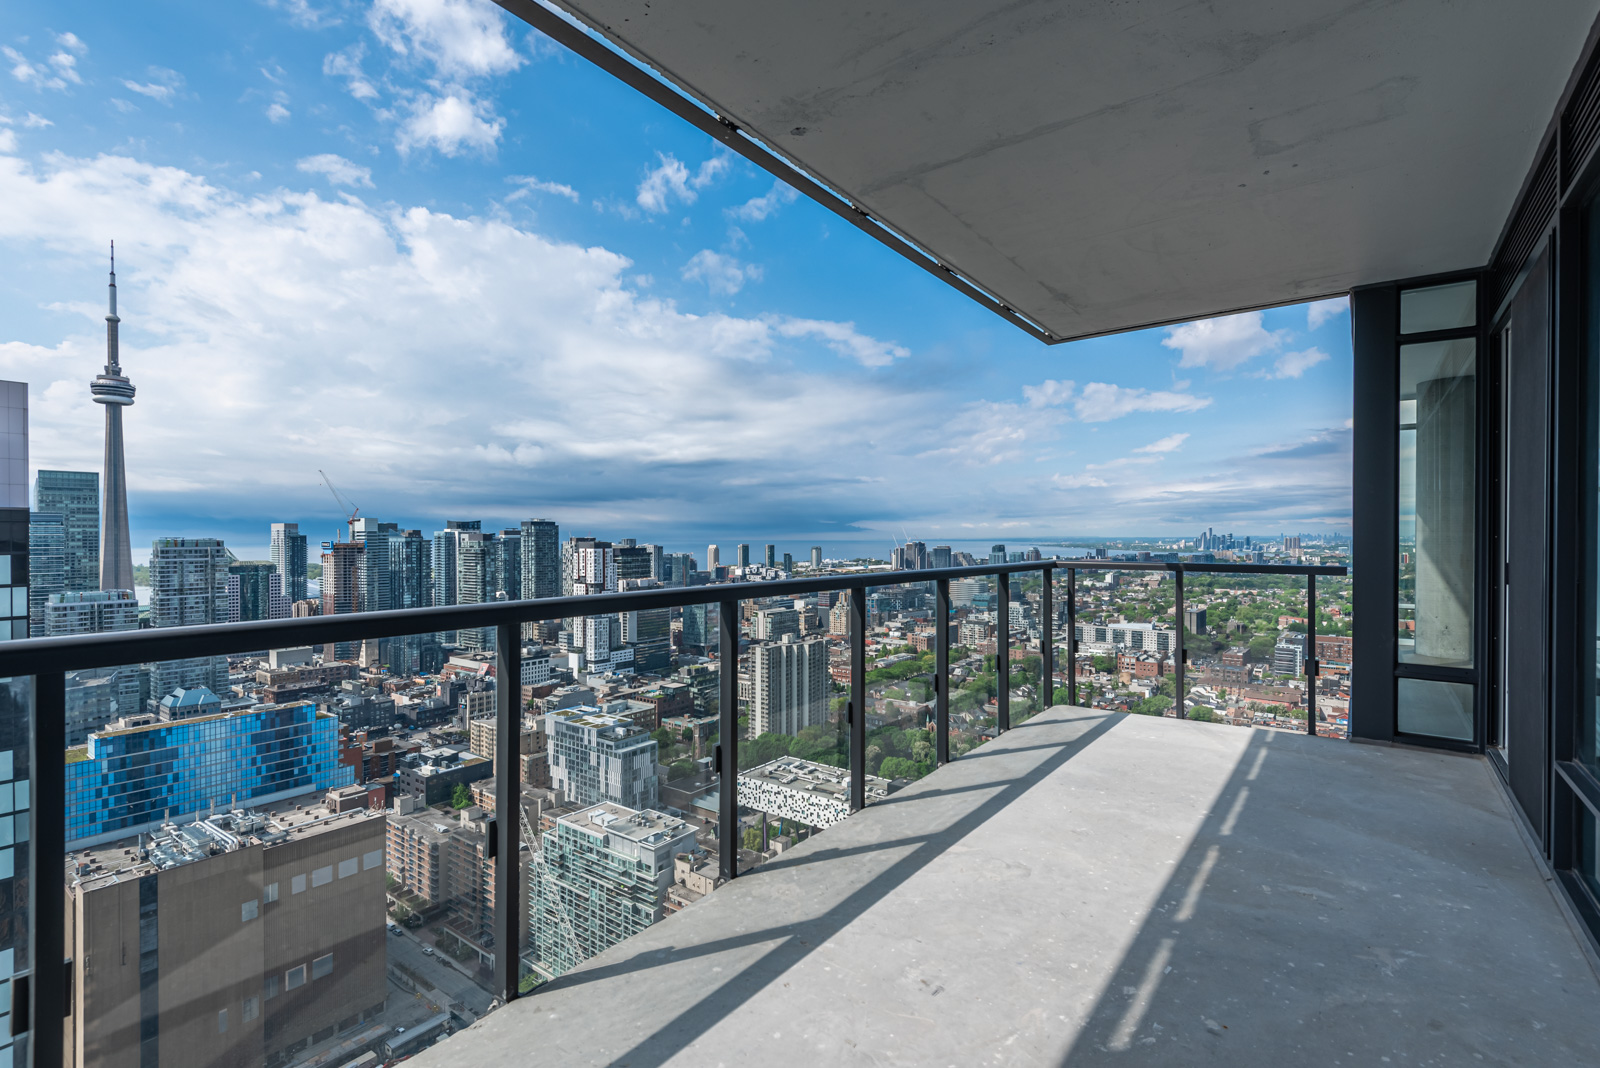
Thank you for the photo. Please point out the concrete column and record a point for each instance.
(1446, 474)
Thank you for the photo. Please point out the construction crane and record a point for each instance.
(350, 511)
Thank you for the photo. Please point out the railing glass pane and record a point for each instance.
(16, 719)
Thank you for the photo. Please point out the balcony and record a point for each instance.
(1098, 887)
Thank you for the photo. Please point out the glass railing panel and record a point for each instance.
(284, 858)
(16, 719)
(974, 686)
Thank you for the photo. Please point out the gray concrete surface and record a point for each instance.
(1095, 887)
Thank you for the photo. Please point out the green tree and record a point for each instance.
(898, 768)
(663, 739)
(680, 769)
(1105, 664)
(460, 797)
(752, 839)
(1203, 714)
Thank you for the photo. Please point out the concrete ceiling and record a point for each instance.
(1104, 165)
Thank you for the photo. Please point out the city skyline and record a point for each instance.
(334, 288)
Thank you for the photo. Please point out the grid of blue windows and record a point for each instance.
(131, 780)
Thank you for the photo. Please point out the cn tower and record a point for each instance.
(113, 390)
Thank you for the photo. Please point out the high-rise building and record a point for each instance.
(506, 572)
(188, 587)
(341, 577)
(772, 555)
(939, 556)
(47, 564)
(411, 586)
(771, 624)
(444, 558)
(600, 876)
(474, 551)
(791, 685)
(816, 558)
(700, 627)
(113, 390)
(235, 940)
(541, 572)
(597, 756)
(95, 697)
(16, 695)
(744, 555)
(633, 562)
(658, 562)
(680, 566)
(373, 587)
(75, 496)
(246, 758)
(288, 554)
(255, 591)
(713, 557)
(788, 562)
(647, 631)
(997, 554)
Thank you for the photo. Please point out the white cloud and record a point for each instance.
(453, 123)
(72, 42)
(8, 140)
(1223, 343)
(528, 184)
(277, 113)
(1077, 481)
(36, 122)
(671, 180)
(40, 76)
(844, 339)
(722, 274)
(163, 85)
(1295, 364)
(461, 38)
(758, 208)
(432, 344)
(1048, 393)
(66, 65)
(1101, 401)
(302, 14)
(1320, 311)
(1170, 443)
(347, 65)
(337, 169)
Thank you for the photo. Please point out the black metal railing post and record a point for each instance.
(1002, 656)
(857, 708)
(941, 672)
(1311, 655)
(728, 836)
(1072, 635)
(1047, 640)
(48, 833)
(508, 898)
(1181, 654)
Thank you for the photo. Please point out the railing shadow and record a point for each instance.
(799, 939)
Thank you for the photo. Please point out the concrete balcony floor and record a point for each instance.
(1101, 888)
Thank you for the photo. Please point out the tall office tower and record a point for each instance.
(744, 555)
(939, 556)
(598, 756)
(444, 557)
(98, 696)
(647, 631)
(713, 557)
(772, 555)
(916, 555)
(997, 554)
(372, 563)
(600, 876)
(113, 390)
(255, 591)
(188, 587)
(410, 567)
(700, 628)
(16, 695)
(541, 572)
(791, 686)
(816, 558)
(341, 577)
(75, 496)
(47, 564)
(507, 560)
(658, 562)
(289, 554)
(633, 562)
(474, 562)
(679, 567)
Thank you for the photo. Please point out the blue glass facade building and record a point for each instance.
(126, 781)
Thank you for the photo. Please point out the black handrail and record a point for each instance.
(49, 658)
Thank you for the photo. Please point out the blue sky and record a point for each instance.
(416, 245)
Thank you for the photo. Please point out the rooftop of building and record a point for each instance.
(807, 776)
(237, 714)
(645, 826)
(177, 844)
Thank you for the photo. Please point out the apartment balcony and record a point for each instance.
(1097, 887)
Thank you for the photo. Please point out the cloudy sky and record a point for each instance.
(420, 247)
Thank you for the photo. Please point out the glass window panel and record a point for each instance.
(1437, 502)
(1447, 307)
(1436, 709)
(1588, 848)
(1589, 644)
